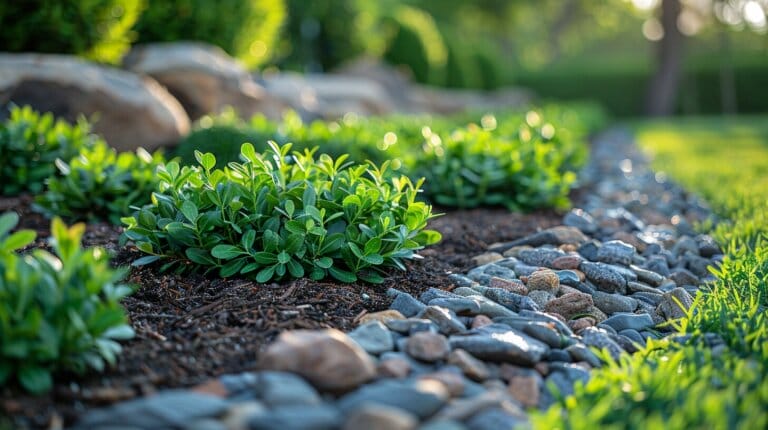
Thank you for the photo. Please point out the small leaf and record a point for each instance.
(248, 239)
(35, 379)
(7, 222)
(199, 256)
(283, 257)
(265, 274)
(265, 258)
(190, 211)
(325, 262)
(342, 275)
(226, 252)
(121, 332)
(374, 259)
(143, 261)
(18, 240)
(290, 208)
(372, 246)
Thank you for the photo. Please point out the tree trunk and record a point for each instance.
(665, 83)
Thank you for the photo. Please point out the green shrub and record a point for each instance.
(475, 167)
(274, 217)
(57, 312)
(320, 35)
(97, 29)
(100, 184)
(246, 29)
(417, 44)
(30, 143)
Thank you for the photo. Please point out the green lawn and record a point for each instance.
(671, 386)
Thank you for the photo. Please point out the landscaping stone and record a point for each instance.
(329, 359)
(499, 343)
(405, 303)
(471, 367)
(612, 303)
(299, 417)
(203, 78)
(373, 337)
(133, 110)
(427, 346)
(600, 339)
(420, 398)
(604, 276)
(623, 321)
(674, 304)
(380, 417)
(446, 320)
(543, 280)
(383, 316)
(616, 252)
(570, 305)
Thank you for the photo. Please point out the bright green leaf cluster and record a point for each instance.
(30, 143)
(278, 215)
(57, 312)
(100, 184)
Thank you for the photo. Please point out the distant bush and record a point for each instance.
(276, 216)
(416, 43)
(97, 29)
(57, 312)
(246, 29)
(473, 167)
(100, 184)
(30, 143)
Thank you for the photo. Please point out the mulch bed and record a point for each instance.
(192, 327)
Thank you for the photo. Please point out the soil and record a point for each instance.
(190, 328)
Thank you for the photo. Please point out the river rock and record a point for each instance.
(616, 252)
(421, 398)
(605, 277)
(669, 307)
(329, 359)
(427, 346)
(373, 337)
(570, 305)
(500, 343)
(624, 321)
(380, 417)
(544, 280)
(132, 110)
(473, 368)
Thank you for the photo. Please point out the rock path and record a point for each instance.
(512, 333)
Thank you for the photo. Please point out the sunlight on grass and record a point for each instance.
(694, 386)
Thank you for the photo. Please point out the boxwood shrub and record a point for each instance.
(58, 312)
(31, 142)
(275, 216)
(100, 184)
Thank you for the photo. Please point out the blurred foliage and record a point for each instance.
(523, 159)
(96, 29)
(247, 30)
(30, 144)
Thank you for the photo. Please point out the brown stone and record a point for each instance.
(329, 359)
(380, 417)
(543, 280)
(512, 285)
(580, 324)
(393, 368)
(481, 321)
(453, 382)
(381, 316)
(571, 304)
(473, 368)
(567, 262)
(427, 346)
(488, 257)
(526, 389)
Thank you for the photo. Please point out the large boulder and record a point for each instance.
(130, 110)
(203, 78)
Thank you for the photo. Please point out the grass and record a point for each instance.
(670, 385)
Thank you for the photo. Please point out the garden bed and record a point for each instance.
(192, 327)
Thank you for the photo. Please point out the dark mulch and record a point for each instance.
(189, 328)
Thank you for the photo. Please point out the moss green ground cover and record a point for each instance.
(669, 385)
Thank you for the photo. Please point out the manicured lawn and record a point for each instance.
(669, 385)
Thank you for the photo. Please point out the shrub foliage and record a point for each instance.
(100, 184)
(30, 143)
(275, 216)
(246, 29)
(58, 311)
(97, 29)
